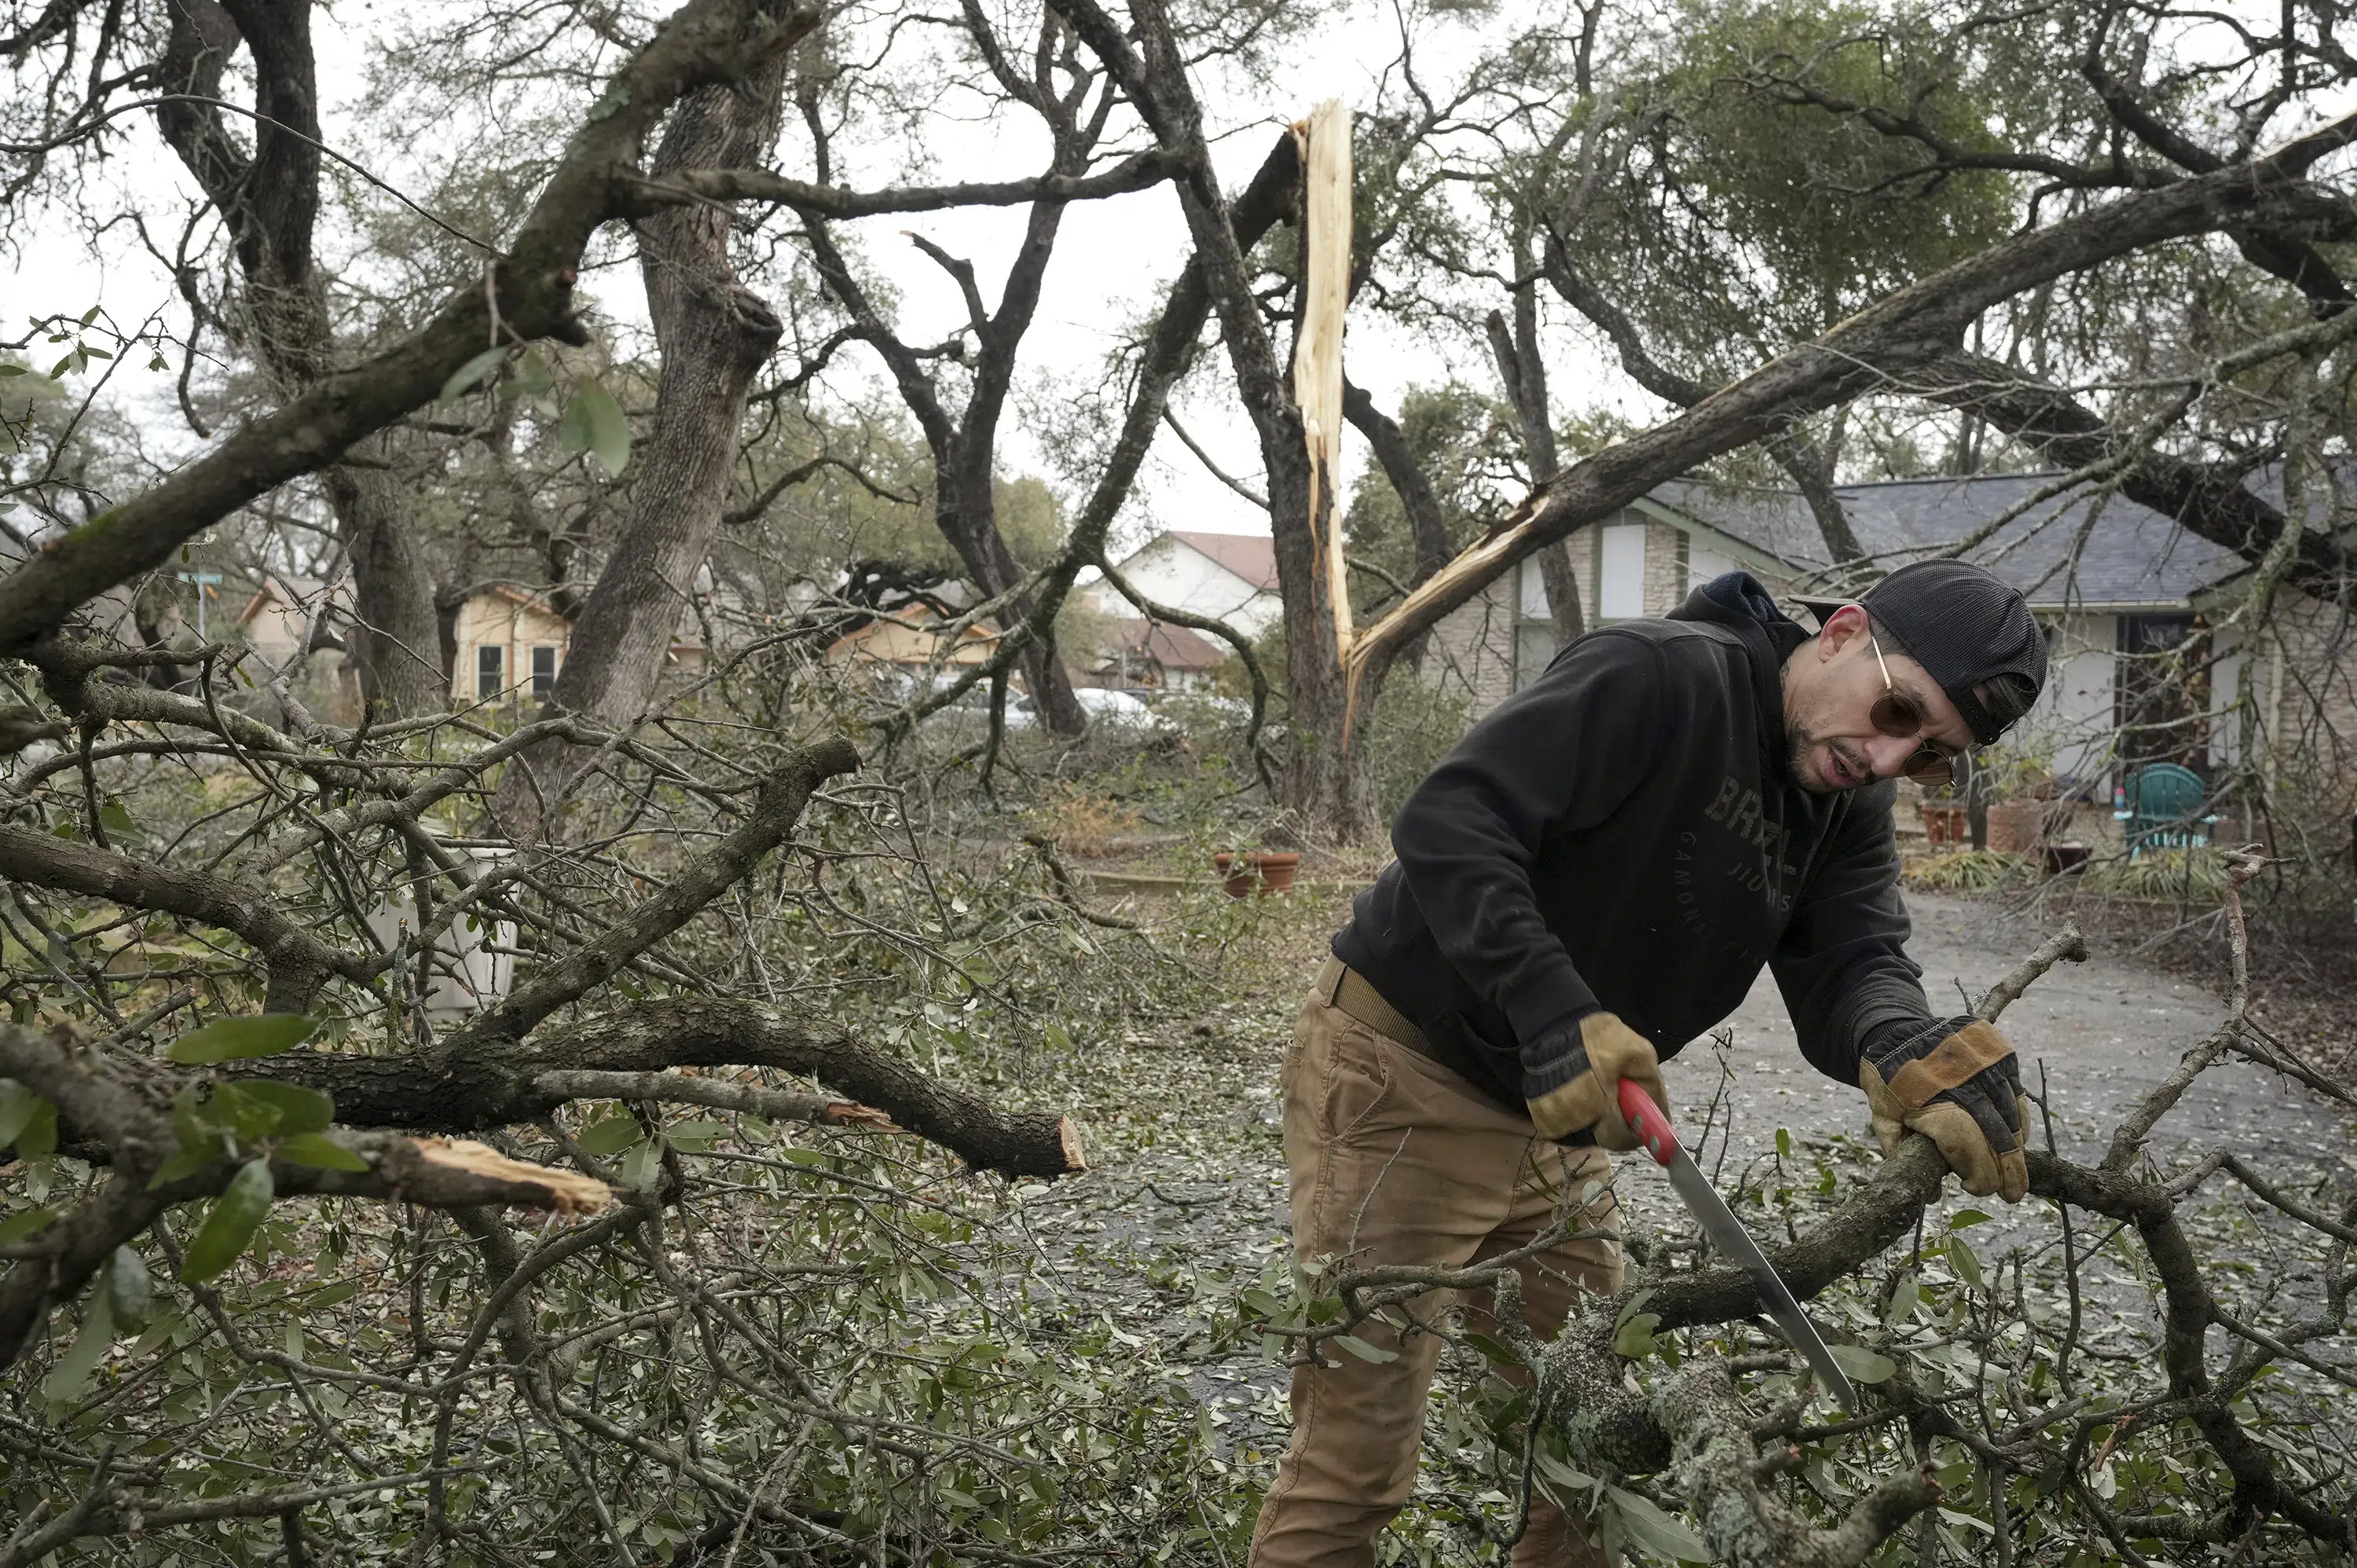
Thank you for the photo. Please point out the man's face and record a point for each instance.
(1831, 685)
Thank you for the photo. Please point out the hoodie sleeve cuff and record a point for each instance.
(1554, 998)
(1554, 1057)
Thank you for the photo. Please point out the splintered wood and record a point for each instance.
(567, 1192)
(1325, 144)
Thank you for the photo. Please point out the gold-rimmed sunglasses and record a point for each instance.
(1900, 716)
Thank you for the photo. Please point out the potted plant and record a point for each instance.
(2021, 784)
(1944, 818)
(1242, 871)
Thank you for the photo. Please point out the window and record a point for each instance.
(544, 670)
(490, 671)
(1620, 572)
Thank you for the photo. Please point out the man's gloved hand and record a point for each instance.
(1957, 1083)
(1607, 1052)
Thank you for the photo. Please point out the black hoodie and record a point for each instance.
(1625, 834)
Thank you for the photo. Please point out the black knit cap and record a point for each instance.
(1962, 624)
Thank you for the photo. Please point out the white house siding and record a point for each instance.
(2074, 713)
(515, 628)
(2233, 704)
(1170, 571)
(1704, 563)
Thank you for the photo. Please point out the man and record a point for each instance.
(1593, 877)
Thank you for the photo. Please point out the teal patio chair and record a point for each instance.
(2162, 803)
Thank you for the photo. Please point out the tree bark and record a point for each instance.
(1522, 369)
(270, 203)
(715, 335)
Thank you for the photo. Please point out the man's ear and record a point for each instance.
(1843, 628)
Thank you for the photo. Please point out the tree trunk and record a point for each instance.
(715, 335)
(395, 641)
(269, 203)
(1325, 779)
(1810, 465)
(1524, 371)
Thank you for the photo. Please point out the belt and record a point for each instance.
(1348, 991)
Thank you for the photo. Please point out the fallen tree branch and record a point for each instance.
(471, 1084)
(299, 963)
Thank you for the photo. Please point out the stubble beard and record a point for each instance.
(1798, 743)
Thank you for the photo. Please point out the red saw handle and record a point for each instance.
(1647, 1120)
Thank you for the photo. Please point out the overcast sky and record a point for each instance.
(1111, 264)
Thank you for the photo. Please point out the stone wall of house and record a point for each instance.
(1470, 654)
(1665, 571)
(2313, 712)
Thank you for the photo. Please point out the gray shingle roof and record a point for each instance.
(2066, 550)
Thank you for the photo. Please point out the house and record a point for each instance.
(913, 639)
(1228, 577)
(509, 645)
(2132, 604)
(272, 618)
(1152, 655)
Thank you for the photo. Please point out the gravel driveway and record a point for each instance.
(2105, 1030)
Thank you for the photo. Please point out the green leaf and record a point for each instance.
(116, 820)
(128, 1289)
(245, 1117)
(594, 423)
(193, 1155)
(1784, 1143)
(529, 378)
(641, 1165)
(13, 370)
(90, 315)
(694, 1135)
(69, 1379)
(299, 1109)
(231, 1224)
(1655, 1530)
(1634, 1338)
(37, 1139)
(466, 376)
(24, 1223)
(1862, 1364)
(610, 1136)
(233, 1039)
(1965, 1261)
(1965, 1218)
(1364, 1351)
(1905, 1297)
(319, 1152)
(1561, 1473)
(17, 1105)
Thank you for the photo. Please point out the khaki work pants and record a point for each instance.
(1395, 1159)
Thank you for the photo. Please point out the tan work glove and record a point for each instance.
(1958, 1083)
(1607, 1052)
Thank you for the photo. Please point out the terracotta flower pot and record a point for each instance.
(2014, 826)
(1945, 823)
(1269, 870)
